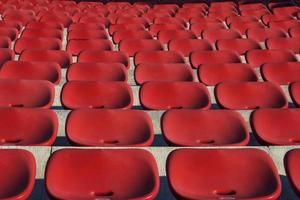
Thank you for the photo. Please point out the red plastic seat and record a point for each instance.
(12, 33)
(133, 20)
(5, 42)
(45, 25)
(49, 71)
(285, 25)
(196, 20)
(130, 34)
(90, 56)
(145, 72)
(290, 10)
(25, 43)
(11, 24)
(198, 58)
(17, 172)
(122, 27)
(252, 6)
(250, 95)
(198, 28)
(158, 57)
(255, 13)
(6, 55)
(257, 57)
(294, 90)
(86, 26)
(137, 129)
(261, 34)
(151, 15)
(189, 169)
(212, 35)
(291, 44)
(240, 46)
(43, 133)
(187, 46)
(96, 72)
(266, 19)
(23, 18)
(62, 18)
(197, 128)
(170, 20)
(241, 19)
(291, 163)
(294, 32)
(188, 14)
(96, 94)
(222, 15)
(46, 33)
(212, 74)
(242, 27)
(133, 46)
(87, 34)
(63, 58)
(26, 93)
(75, 47)
(155, 28)
(174, 95)
(281, 73)
(165, 36)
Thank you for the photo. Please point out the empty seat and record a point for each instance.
(174, 95)
(116, 174)
(86, 26)
(291, 163)
(158, 57)
(96, 72)
(222, 15)
(75, 47)
(130, 34)
(257, 57)
(187, 46)
(198, 128)
(294, 32)
(44, 25)
(83, 128)
(5, 42)
(256, 13)
(285, 25)
(292, 44)
(23, 18)
(17, 172)
(87, 34)
(266, 19)
(165, 36)
(46, 33)
(11, 24)
(294, 90)
(145, 72)
(201, 20)
(212, 35)
(276, 126)
(63, 58)
(290, 10)
(261, 34)
(189, 169)
(49, 71)
(198, 28)
(37, 43)
(132, 46)
(62, 18)
(96, 94)
(6, 55)
(98, 20)
(170, 20)
(240, 19)
(155, 28)
(240, 46)
(198, 58)
(242, 27)
(12, 33)
(104, 57)
(250, 95)
(122, 27)
(212, 74)
(26, 93)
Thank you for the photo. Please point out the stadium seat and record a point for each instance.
(241, 27)
(187, 46)
(43, 133)
(196, 20)
(133, 20)
(122, 27)
(75, 47)
(82, 127)
(291, 163)
(23, 18)
(294, 32)
(257, 57)
(198, 28)
(256, 13)
(158, 57)
(266, 19)
(11, 24)
(212, 74)
(96, 94)
(46, 33)
(130, 34)
(165, 36)
(285, 25)
(240, 19)
(222, 15)
(17, 172)
(276, 126)
(261, 34)
(151, 15)
(240, 46)
(87, 34)
(189, 169)
(5, 42)
(197, 128)
(117, 174)
(252, 6)
(45, 25)
(212, 35)
(63, 58)
(158, 95)
(96, 72)
(6, 55)
(155, 28)
(12, 33)
(145, 72)
(36, 43)
(291, 44)
(294, 90)
(290, 10)
(170, 20)
(104, 57)
(133, 46)
(198, 58)
(49, 71)
(86, 26)
(250, 95)
(62, 18)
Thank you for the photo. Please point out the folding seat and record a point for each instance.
(212, 35)
(23, 18)
(189, 169)
(45, 33)
(116, 174)
(5, 42)
(170, 12)
(291, 44)
(162, 95)
(174, 7)
(133, 20)
(240, 46)
(130, 34)
(145, 72)
(241, 19)
(150, 15)
(85, 34)
(49, 71)
(255, 13)
(45, 25)
(37, 43)
(155, 28)
(187, 15)
(294, 90)
(6, 55)
(187, 46)
(158, 57)
(198, 28)
(196, 20)
(195, 5)
(257, 57)
(122, 27)
(294, 32)
(198, 58)
(98, 20)
(290, 10)
(164, 36)
(242, 27)
(212, 74)
(170, 20)
(136, 126)
(90, 56)
(250, 95)
(63, 58)
(89, 14)
(261, 34)
(252, 6)
(11, 24)
(12, 33)
(85, 26)
(197, 128)
(113, 17)
(97, 72)
(75, 47)
(17, 172)
(26, 93)
(291, 163)
(285, 25)
(96, 94)
(62, 18)
(266, 19)
(132, 46)
(222, 15)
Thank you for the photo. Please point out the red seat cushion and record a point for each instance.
(130, 34)
(87, 34)
(285, 25)
(44, 25)
(295, 32)
(165, 36)
(37, 43)
(133, 46)
(291, 44)
(216, 34)
(5, 42)
(158, 57)
(291, 163)
(12, 33)
(261, 34)
(266, 19)
(242, 27)
(295, 92)
(46, 33)
(155, 28)
(170, 20)
(240, 46)
(122, 27)
(86, 26)
(198, 28)
(75, 47)
(187, 46)
(133, 20)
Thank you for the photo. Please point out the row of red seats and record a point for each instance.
(133, 174)
(179, 127)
